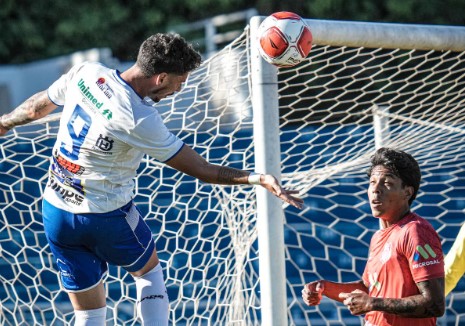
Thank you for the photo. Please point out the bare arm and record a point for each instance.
(190, 162)
(35, 107)
(429, 303)
(313, 291)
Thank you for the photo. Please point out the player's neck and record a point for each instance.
(133, 76)
(385, 223)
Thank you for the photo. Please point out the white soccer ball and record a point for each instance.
(285, 40)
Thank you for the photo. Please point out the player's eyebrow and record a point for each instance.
(387, 175)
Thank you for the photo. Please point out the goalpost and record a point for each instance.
(236, 255)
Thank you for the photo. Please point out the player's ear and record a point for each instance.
(161, 77)
(408, 192)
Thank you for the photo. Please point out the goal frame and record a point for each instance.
(264, 89)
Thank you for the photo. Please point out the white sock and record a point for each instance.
(94, 317)
(152, 298)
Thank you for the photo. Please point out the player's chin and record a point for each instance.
(376, 212)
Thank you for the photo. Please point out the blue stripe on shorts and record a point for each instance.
(83, 244)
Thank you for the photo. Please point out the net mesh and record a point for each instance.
(206, 235)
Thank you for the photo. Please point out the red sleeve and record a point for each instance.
(423, 250)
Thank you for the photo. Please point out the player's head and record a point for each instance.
(168, 53)
(401, 165)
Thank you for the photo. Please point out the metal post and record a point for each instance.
(270, 215)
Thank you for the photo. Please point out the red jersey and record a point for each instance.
(400, 256)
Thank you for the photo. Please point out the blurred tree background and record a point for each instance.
(32, 30)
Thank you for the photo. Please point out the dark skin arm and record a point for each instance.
(187, 160)
(190, 162)
(429, 303)
(35, 107)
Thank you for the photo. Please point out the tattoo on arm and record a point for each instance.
(429, 303)
(229, 176)
(32, 109)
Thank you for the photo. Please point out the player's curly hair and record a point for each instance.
(168, 53)
(401, 164)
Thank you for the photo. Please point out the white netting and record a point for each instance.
(328, 135)
(206, 235)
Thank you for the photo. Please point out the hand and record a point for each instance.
(357, 301)
(313, 292)
(271, 184)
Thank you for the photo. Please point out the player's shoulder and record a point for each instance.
(93, 67)
(87, 69)
(417, 224)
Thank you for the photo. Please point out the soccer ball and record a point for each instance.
(285, 39)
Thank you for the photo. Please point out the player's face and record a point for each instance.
(166, 85)
(388, 197)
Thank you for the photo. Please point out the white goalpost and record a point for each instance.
(236, 255)
(266, 122)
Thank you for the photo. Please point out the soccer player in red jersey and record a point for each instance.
(403, 281)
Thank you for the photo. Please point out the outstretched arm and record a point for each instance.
(190, 162)
(35, 107)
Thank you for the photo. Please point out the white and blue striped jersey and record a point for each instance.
(105, 130)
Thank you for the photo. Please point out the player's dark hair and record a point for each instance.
(401, 164)
(168, 53)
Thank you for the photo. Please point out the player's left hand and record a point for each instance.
(272, 185)
(357, 301)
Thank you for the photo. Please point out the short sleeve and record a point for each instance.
(152, 137)
(56, 91)
(423, 250)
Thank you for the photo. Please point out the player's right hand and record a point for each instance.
(271, 184)
(313, 292)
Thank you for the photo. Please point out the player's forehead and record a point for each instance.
(381, 171)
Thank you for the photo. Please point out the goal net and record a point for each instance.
(334, 110)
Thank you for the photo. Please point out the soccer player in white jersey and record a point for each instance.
(106, 127)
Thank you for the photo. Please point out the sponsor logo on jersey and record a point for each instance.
(63, 182)
(422, 253)
(93, 100)
(386, 254)
(374, 283)
(104, 87)
(69, 166)
(67, 195)
(104, 144)
(426, 263)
